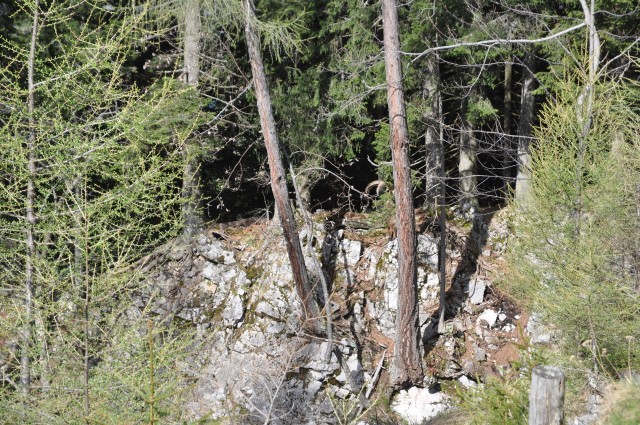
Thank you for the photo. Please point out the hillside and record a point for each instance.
(235, 287)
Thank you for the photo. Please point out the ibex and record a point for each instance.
(380, 186)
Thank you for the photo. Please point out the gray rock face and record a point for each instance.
(477, 287)
(383, 271)
(351, 252)
(428, 251)
(233, 311)
(258, 356)
(480, 355)
(215, 252)
(539, 333)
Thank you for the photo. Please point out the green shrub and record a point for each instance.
(575, 235)
(505, 399)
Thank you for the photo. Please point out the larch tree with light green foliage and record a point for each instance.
(91, 184)
(583, 205)
(576, 231)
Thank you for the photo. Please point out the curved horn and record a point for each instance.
(379, 185)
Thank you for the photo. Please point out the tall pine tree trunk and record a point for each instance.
(277, 171)
(507, 124)
(433, 154)
(26, 337)
(191, 191)
(527, 107)
(442, 223)
(435, 193)
(468, 161)
(407, 368)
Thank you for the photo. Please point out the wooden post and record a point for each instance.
(546, 399)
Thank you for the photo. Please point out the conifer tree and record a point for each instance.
(277, 170)
(407, 357)
(89, 182)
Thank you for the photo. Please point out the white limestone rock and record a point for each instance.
(489, 317)
(313, 356)
(216, 253)
(417, 405)
(350, 251)
(430, 289)
(427, 249)
(233, 311)
(313, 388)
(540, 334)
(466, 382)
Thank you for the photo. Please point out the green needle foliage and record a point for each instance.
(575, 255)
(502, 399)
(106, 191)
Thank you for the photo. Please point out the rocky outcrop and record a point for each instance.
(257, 360)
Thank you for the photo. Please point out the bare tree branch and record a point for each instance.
(495, 42)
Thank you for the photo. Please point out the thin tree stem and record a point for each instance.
(25, 359)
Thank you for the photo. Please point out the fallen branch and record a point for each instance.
(376, 375)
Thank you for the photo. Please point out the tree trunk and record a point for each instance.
(25, 349)
(433, 156)
(407, 362)
(527, 107)
(507, 153)
(277, 172)
(584, 113)
(191, 191)
(468, 162)
(320, 274)
(442, 223)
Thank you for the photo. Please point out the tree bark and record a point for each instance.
(277, 171)
(507, 154)
(407, 368)
(527, 108)
(192, 27)
(191, 191)
(433, 155)
(25, 349)
(442, 223)
(584, 113)
(321, 277)
(468, 162)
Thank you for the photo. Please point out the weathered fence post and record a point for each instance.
(546, 399)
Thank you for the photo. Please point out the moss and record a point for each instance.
(253, 272)
(436, 360)
(381, 262)
(450, 386)
(213, 315)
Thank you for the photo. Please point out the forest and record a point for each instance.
(128, 125)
